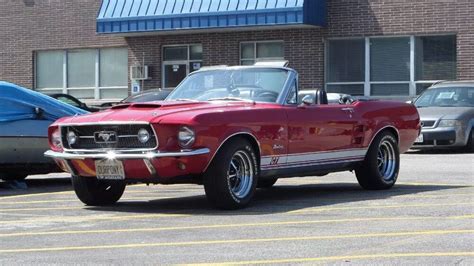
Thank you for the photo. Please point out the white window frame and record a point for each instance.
(367, 82)
(255, 58)
(188, 61)
(65, 89)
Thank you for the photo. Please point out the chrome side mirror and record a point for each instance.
(307, 100)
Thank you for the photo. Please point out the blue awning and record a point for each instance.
(129, 16)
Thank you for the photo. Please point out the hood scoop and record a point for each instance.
(120, 106)
(146, 105)
(136, 105)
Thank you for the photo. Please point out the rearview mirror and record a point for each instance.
(307, 100)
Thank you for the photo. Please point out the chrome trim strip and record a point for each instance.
(316, 152)
(233, 135)
(86, 137)
(292, 75)
(310, 158)
(284, 166)
(380, 130)
(107, 123)
(123, 156)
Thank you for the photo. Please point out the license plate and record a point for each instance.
(419, 139)
(109, 170)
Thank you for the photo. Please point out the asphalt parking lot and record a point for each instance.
(428, 218)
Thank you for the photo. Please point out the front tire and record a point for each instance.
(381, 165)
(231, 179)
(95, 192)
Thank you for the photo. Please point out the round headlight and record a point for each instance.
(186, 137)
(143, 135)
(72, 138)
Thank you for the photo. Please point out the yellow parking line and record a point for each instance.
(321, 209)
(43, 209)
(434, 184)
(301, 182)
(75, 200)
(34, 195)
(344, 258)
(82, 219)
(72, 193)
(37, 202)
(434, 195)
(317, 209)
(196, 188)
(240, 241)
(219, 226)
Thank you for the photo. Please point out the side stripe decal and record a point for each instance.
(316, 158)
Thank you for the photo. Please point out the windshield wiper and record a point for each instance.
(184, 100)
(230, 99)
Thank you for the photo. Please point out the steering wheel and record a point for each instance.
(268, 94)
(265, 93)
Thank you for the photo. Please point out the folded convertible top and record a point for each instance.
(18, 103)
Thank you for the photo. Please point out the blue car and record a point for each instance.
(25, 116)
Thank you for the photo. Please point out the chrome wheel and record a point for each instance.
(240, 175)
(386, 160)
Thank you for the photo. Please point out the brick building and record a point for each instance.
(374, 48)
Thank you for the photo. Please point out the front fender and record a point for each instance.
(231, 133)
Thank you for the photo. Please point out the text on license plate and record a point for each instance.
(109, 170)
(419, 139)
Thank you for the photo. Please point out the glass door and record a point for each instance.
(174, 73)
(178, 62)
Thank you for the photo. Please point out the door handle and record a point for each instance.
(350, 110)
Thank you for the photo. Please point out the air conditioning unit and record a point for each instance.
(139, 72)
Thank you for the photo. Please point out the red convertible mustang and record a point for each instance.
(232, 129)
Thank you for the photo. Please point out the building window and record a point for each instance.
(389, 66)
(435, 60)
(346, 66)
(49, 69)
(84, 73)
(179, 61)
(251, 52)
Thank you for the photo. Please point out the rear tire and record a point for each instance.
(266, 183)
(95, 192)
(231, 179)
(381, 165)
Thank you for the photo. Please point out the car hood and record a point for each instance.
(155, 112)
(435, 113)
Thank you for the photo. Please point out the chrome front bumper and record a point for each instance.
(123, 156)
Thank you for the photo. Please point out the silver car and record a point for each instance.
(447, 116)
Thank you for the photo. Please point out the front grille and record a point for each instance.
(428, 123)
(126, 137)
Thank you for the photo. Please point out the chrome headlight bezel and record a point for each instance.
(186, 137)
(449, 123)
(72, 138)
(143, 135)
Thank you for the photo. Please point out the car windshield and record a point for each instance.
(243, 84)
(447, 97)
